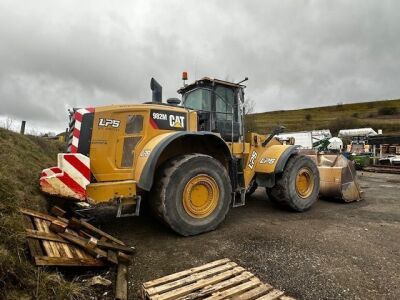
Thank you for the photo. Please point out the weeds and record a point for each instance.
(21, 160)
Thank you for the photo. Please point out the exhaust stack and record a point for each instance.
(156, 91)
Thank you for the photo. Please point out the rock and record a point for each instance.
(98, 280)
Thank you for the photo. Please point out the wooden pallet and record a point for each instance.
(49, 249)
(221, 279)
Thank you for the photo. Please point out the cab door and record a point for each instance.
(226, 113)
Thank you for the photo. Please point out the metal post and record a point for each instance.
(22, 131)
(374, 153)
(66, 135)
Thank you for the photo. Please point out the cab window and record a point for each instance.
(224, 103)
(134, 124)
(199, 99)
(133, 128)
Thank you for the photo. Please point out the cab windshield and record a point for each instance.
(199, 99)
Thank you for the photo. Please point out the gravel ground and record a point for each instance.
(333, 251)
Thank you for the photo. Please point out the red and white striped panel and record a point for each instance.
(78, 116)
(70, 177)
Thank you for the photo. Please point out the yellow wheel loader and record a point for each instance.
(191, 161)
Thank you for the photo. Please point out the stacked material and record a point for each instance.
(58, 241)
(221, 279)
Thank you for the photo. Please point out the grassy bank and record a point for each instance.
(383, 115)
(21, 160)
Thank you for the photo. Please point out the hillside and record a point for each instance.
(377, 114)
(21, 160)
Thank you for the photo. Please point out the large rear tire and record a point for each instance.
(191, 194)
(298, 186)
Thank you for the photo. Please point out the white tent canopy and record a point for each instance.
(357, 132)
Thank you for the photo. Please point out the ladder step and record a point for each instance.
(121, 205)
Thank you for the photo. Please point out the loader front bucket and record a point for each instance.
(338, 177)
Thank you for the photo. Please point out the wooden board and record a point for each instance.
(50, 249)
(221, 279)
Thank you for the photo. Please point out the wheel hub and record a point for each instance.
(304, 183)
(200, 196)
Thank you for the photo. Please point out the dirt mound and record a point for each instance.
(21, 160)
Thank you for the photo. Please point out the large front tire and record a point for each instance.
(298, 186)
(191, 194)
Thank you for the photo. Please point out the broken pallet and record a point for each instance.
(221, 279)
(48, 248)
(57, 241)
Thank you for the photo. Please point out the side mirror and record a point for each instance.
(276, 131)
(279, 129)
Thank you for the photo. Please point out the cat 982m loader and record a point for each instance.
(190, 160)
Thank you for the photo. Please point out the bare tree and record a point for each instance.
(249, 106)
(7, 123)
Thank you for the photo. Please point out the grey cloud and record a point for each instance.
(59, 54)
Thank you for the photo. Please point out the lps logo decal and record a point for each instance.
(109, 123)
(267, 160)
(252, 159)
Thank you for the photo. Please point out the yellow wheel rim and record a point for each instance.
(304, 183)
(200, 196)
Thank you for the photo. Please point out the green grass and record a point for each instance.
(346, 116)
(21, 160)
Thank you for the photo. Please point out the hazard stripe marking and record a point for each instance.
(74, 149)
(72, 184)
(153, 123)
(78, 165)
(75, 127)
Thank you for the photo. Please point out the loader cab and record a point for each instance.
(218, 104)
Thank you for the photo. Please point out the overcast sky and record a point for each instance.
(55, 55)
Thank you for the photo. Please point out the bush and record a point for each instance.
(308, 117)
(355, 115)
(342, 123)
(387, 111)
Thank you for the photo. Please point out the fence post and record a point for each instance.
(22, 131)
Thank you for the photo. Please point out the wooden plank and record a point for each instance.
(124, 258)
(121, 286)
(112, 256)
(34, 245)
(184, 273)
(41, 235)
(274, 294)
(90, 227)
(81, 242)
(112, 246)
(65, 261)
(254, 293)
(56, 249)
(190, 279)
(236, 290)
(57, 211)
(185, 290)
(46, 244)
(209, 290)
(49, 236)
(37, 214)
(58, 226)
(76, 252)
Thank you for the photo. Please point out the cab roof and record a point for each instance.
(208, 80)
